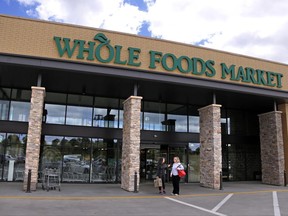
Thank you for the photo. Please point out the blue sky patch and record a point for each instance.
(139, 3)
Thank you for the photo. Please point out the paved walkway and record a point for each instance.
(236, 198)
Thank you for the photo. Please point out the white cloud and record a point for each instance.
(252, 27)
(109, 14)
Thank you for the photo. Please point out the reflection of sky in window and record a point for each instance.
(194, 124)
(55, 113)
(49, 139)
(100, 113)
(77, 115)
(194, 146)
(227, 122)
(4, 109)
(152, 121)
(180, 123)
(19, 111)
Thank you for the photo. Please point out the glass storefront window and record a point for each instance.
(79, 110)
(4, 103)
(4, 107)
(19, 111)
(193, 162)
(77, 115)
(21, 94)
(81, 159)
(194, 124)
(55, 113)
(2, 156)
(154, 115)
(106, 112)
(12, 151)
(176, 118)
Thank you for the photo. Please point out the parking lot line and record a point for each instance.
(215, 209)
(276, 204)
(194, 206)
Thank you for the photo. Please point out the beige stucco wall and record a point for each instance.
(35, 38)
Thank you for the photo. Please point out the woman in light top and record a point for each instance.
(175, 177)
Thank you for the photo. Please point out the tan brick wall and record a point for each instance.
(284, 109)
(34, 136)
(35, 38)
(131, 143)
(210, 146)
(272, 150)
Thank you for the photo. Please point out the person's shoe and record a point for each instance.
(176, 194)
(160, 192)
(164, 192)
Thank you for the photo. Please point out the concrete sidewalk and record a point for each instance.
(236, 198)
(145, 189)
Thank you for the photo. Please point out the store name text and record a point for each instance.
(103, 52)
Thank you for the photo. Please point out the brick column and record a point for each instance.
(210, 146)
(131, 143)
(34, 134)
(272, 151)
(284, 109)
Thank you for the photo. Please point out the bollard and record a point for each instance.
(285, 178)
(135, 182)
(28, 189)
(221, 181)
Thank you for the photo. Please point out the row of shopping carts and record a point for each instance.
(51, 179)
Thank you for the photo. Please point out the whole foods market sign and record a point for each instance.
(100, 50)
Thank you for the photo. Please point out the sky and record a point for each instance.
(256, 28)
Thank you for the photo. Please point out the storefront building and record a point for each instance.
(100, 106)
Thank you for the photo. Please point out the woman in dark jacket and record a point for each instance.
(161, 173)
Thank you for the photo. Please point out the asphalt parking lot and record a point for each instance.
(236, 198)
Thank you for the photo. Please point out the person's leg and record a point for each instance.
(177, 183)
(163, 184)
(174, 183)
(160, 189)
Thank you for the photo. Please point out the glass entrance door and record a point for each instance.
(188, 154)
(193, 167)
(148, 162)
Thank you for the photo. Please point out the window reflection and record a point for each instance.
(106, 112)
(176, 118)
(12, 156)
(77, 115)
(194, 124)
(81, 159)
(55, 114)
(154, 115)
(4, 107)
(19, 111)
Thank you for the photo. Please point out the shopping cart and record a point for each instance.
(51, 179)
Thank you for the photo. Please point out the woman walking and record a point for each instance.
(175, 177)
(161, 173)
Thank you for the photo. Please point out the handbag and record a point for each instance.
(181, 173)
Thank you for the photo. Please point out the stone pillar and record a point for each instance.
(272, 151)
(34, 136)
(210, 146)
(131, 143)
(284, 109)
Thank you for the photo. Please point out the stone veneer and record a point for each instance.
(284, 109)
(131, 143)
(34, 135)
(272, 149)
(210, 146)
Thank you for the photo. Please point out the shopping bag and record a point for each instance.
(158, 182)
(181, 173)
